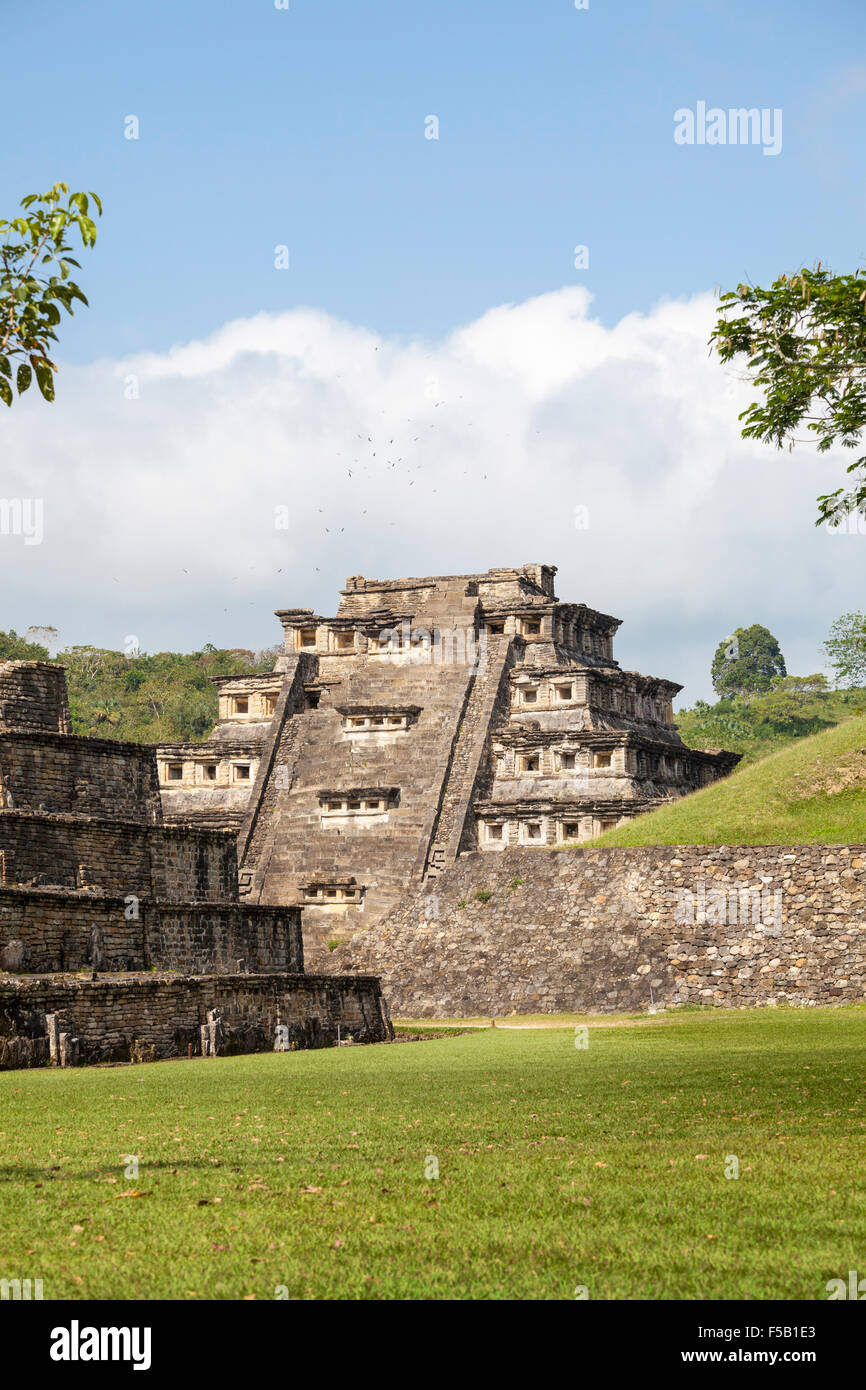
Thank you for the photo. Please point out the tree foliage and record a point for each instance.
(789, 700)
(805, 340)
(167, 697)
(15, 648)
(747, 663)
(35, 283)
(846, 649)
(796, 707)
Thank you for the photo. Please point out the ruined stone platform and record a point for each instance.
(123, 938)
(138, 1016)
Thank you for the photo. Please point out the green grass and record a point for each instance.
(558, 1167)
(426, 1029)
(811, 790)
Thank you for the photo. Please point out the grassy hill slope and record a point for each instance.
(811, 790)
(757, 727)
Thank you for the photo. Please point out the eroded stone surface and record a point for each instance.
(92, 880)
(611, 930)
(428, 718)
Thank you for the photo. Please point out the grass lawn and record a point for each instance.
(813, 790)
(558, 1166)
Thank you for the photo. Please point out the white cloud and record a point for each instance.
(473, 451)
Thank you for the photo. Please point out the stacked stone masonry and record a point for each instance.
(33, 697)
(174, 863)
(92, 880)
(50, 930)
(152, 1017)
(613, 930)
(428, 718)
(79, 776)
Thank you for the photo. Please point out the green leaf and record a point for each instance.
(23, 379)
(98, 202)
(88, 230)
(4, 366)
(45, 381)
(5, 391)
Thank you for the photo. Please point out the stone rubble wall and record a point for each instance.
(153, 1017)
(546, 931)
(75, 852)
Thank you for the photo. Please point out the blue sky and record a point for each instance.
(305, 127)
(425, 274)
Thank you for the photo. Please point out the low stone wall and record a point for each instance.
(75, 852)
(205, 939)
(80, 776)
(194, 864)
(53, 930)
(609, 930)
(172, 863)
(140, 1018)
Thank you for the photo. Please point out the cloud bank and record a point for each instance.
(187, 494)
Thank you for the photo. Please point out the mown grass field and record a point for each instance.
(558, 1166)
(812, 791)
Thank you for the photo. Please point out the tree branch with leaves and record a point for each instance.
(35, 283)
(805, 340)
